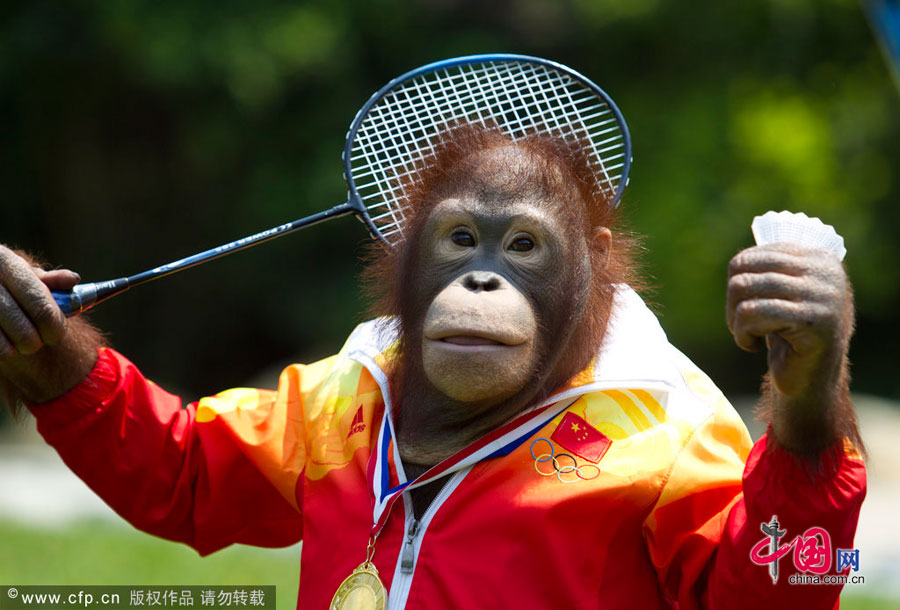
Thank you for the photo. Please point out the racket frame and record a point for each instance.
(376, 97)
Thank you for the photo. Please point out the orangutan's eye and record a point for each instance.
(522, 244)
(463, 238)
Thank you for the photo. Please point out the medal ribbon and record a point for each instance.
(496, 443)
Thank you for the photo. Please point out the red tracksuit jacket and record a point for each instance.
(668, 516)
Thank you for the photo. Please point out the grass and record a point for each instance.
(853, 602)
(104, 553)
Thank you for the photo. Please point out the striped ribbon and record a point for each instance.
(496, 443)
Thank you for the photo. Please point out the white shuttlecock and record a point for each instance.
(799, 229)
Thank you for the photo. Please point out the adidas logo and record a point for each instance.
(357, 425)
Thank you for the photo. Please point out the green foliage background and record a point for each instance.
(137, 132)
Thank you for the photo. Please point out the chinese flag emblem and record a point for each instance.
(581, 438)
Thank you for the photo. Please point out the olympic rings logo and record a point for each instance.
(565, 472)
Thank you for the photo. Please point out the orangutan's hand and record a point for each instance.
(42, 354)
(798, 302)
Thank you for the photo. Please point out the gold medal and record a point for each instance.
(362, 590)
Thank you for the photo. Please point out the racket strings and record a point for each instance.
(399, 133)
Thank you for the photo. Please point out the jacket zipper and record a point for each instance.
(408, 554)
(415, 532)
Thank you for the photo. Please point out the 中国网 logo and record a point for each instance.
(811, 553)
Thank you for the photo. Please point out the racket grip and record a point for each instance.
(84, 296)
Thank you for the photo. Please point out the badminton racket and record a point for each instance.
(395, 131)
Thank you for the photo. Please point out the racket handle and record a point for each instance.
(84, 296)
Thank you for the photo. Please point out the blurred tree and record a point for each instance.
(138, 132)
